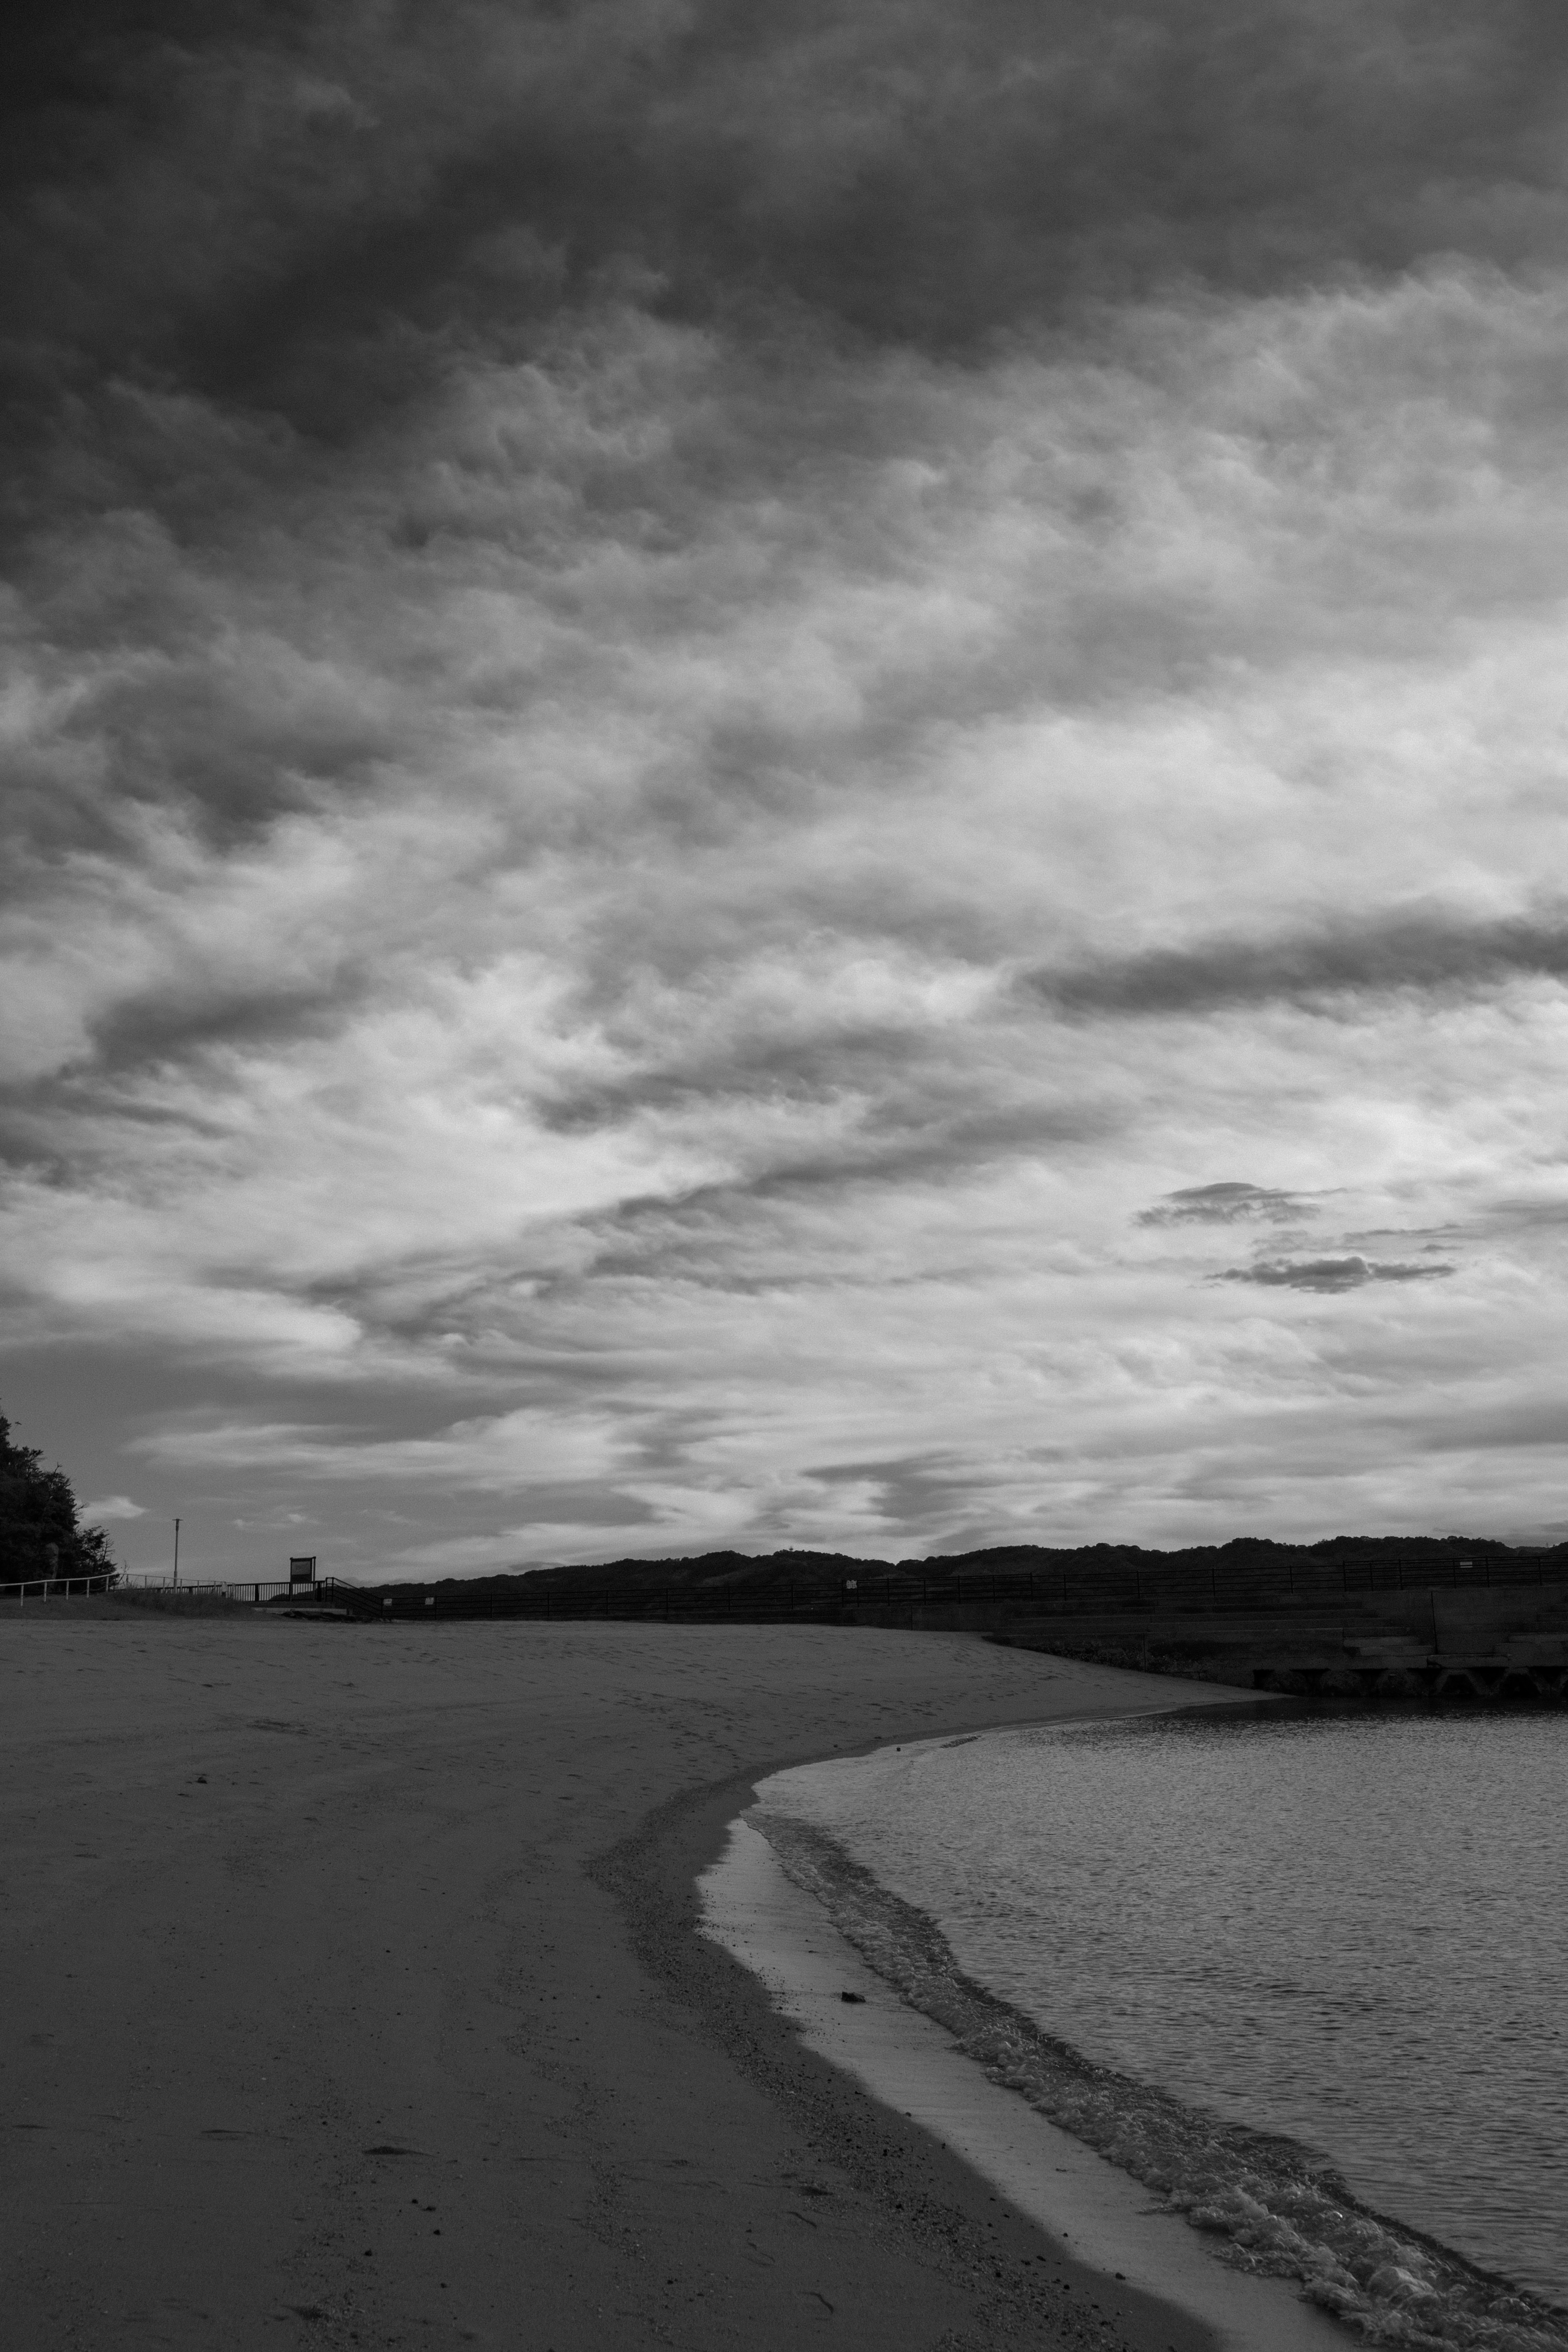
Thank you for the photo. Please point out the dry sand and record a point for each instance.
(352, 1996)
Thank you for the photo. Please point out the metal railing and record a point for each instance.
(255, 1589)
(58, 1588)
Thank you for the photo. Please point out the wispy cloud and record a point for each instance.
(1330, 1275)
(111, 1506)
(704, 719)
(1228, 1202)
(1399, 952)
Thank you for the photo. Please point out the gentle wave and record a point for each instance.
(1272, 2205)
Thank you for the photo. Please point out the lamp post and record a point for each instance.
(176, 1551)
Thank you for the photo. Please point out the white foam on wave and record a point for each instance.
(1266, 2205)
(912, 2065)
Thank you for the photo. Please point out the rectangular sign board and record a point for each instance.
(303, 1572)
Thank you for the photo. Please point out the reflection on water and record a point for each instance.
(1349, 1930)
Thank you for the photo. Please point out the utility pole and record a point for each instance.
(176, 1551)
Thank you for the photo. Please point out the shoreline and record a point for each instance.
(920, 2182)
(911, 2065)
(367, 2001)
(871, 1982)
(698, 1874)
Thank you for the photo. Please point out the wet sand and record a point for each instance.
(906, 2062)
(354, 1996)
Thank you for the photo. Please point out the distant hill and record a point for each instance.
(757, 1574)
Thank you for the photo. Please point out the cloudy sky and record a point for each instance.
(786, 775)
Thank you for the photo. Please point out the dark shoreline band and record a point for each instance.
(912, 2191)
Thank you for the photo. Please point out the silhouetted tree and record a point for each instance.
(41, 1535)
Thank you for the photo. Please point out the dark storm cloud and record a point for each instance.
(1225, 1204)
(291, 208)
(1374, 958)
(238, 239)
(1330, 1275)
(304, 209)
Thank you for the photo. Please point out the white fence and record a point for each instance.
(56, 1588)
(252, 1589)
(81, 1588)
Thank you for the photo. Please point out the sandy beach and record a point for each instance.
(353, 1997)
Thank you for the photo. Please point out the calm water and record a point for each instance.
(1347, 1934)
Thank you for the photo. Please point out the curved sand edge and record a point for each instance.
(365, 1999)
(911, 2064)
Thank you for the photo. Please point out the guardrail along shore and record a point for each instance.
(164, 1590)
(58, 1587)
